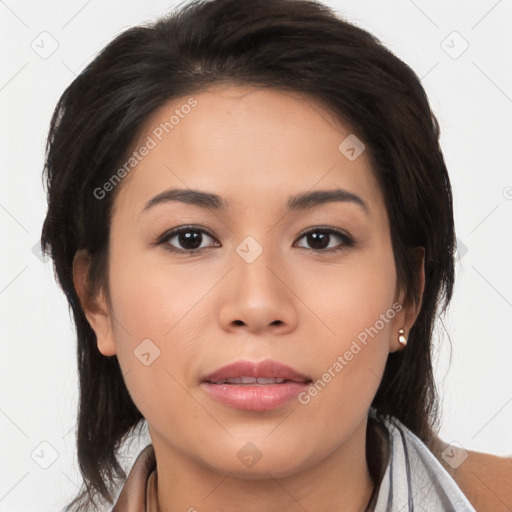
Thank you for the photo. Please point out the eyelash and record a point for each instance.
(347, 241)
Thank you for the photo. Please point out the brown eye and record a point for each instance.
(187, 239)
(321, 239)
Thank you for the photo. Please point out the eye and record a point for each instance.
(190, 238)
(320, 239)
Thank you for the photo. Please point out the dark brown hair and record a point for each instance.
(292, 45)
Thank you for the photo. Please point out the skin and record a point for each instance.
(485, 479)
(254, 147)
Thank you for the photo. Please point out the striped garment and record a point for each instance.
(415, 481)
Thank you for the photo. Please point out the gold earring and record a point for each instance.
(401, 338)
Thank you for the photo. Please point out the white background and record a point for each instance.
(472, 98)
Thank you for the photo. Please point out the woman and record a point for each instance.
(251, 217)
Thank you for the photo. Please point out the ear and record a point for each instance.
(95, 307)
(411, 307)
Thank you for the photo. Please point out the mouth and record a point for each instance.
(254, 386)
(248, 381)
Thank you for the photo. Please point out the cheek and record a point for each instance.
(353, 305)
(159, 321)
(349, 297)
(153, 299)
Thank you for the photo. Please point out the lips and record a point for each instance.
(247, 372)
(256, 387)
(251, 380)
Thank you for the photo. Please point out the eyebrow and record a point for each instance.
(297, 202)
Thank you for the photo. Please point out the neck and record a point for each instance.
(341, 478)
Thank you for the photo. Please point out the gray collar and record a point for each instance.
(415, 481)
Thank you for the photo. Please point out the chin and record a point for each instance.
(248, 463)
(260, 471)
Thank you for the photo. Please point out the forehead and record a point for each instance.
(249, 145)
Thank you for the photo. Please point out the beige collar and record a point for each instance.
(151, 493)
(139, 490)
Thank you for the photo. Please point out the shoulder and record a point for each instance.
(485, 479)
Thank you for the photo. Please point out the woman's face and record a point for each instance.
(272, 281)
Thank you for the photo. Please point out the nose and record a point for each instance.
(257, 296)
